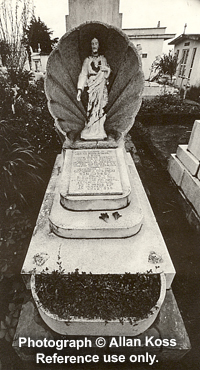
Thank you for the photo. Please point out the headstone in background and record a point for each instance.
(184, 168)
(194, 142)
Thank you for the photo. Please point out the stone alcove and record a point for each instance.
(125, 82)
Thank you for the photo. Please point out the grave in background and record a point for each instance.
(184, 168)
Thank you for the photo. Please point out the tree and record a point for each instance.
(37, 33)
(14, 18)
(166, 65)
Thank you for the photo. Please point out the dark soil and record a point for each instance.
(107, 297)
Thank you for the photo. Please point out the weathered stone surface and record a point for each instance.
(92, 224)
(93, 144)
(198, 174)
(99, 256)
(169, 324)
(191, 188)
(176, 169)
(104, 11)
(119, 194)
(94, 172)
(194, 142)
(125, 83)
(187, 159)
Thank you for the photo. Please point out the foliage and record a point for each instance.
(16, 227)
(107, 297)
(194, 93)
(37, 33)
(8, 326)
(32, 119)
(167, 104)
(26, 139)
(9, 317)
(5, 51)
(17, 162)
(165, 65)
(5, 93)
(14, 17)
(20, 78)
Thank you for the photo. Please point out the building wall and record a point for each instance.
(106, 11)
(194, 76)
(150, 48)
(149, 42)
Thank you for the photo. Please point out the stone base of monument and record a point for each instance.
(95, 184)
(168, 324)
(184, 168)
(145, 251)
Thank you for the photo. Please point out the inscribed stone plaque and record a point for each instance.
(94, 172)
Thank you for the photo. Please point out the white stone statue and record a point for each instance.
(94, 76)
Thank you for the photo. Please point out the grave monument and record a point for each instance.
(95, 216)
(184, 168)
(102, 105)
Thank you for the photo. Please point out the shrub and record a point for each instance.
(108, 297)
(167, 104)
(194, 93)
(32, 118)
(19, 166)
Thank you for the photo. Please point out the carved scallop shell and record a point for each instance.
(125, 82)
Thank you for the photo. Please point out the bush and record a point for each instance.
(32, 119)
(108, 297)
(194, 93)
(19, 166)
(167, 104)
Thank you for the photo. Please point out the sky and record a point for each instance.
(172, 14)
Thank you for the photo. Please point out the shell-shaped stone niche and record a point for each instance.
(125, 82)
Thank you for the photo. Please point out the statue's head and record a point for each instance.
(95, 45)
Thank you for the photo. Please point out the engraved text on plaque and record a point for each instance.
(94, 172)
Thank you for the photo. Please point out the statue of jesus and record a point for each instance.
(94, 76)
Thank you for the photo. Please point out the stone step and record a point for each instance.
(188, 159)
(96, 224)
(136, 254)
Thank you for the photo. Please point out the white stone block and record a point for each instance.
(94, 179)
(191, 188)
(187, 159)
(176, 169)
(194, 142)
(139, 253)
(92, 224)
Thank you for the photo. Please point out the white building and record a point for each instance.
(187, 48)
(149, 42)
